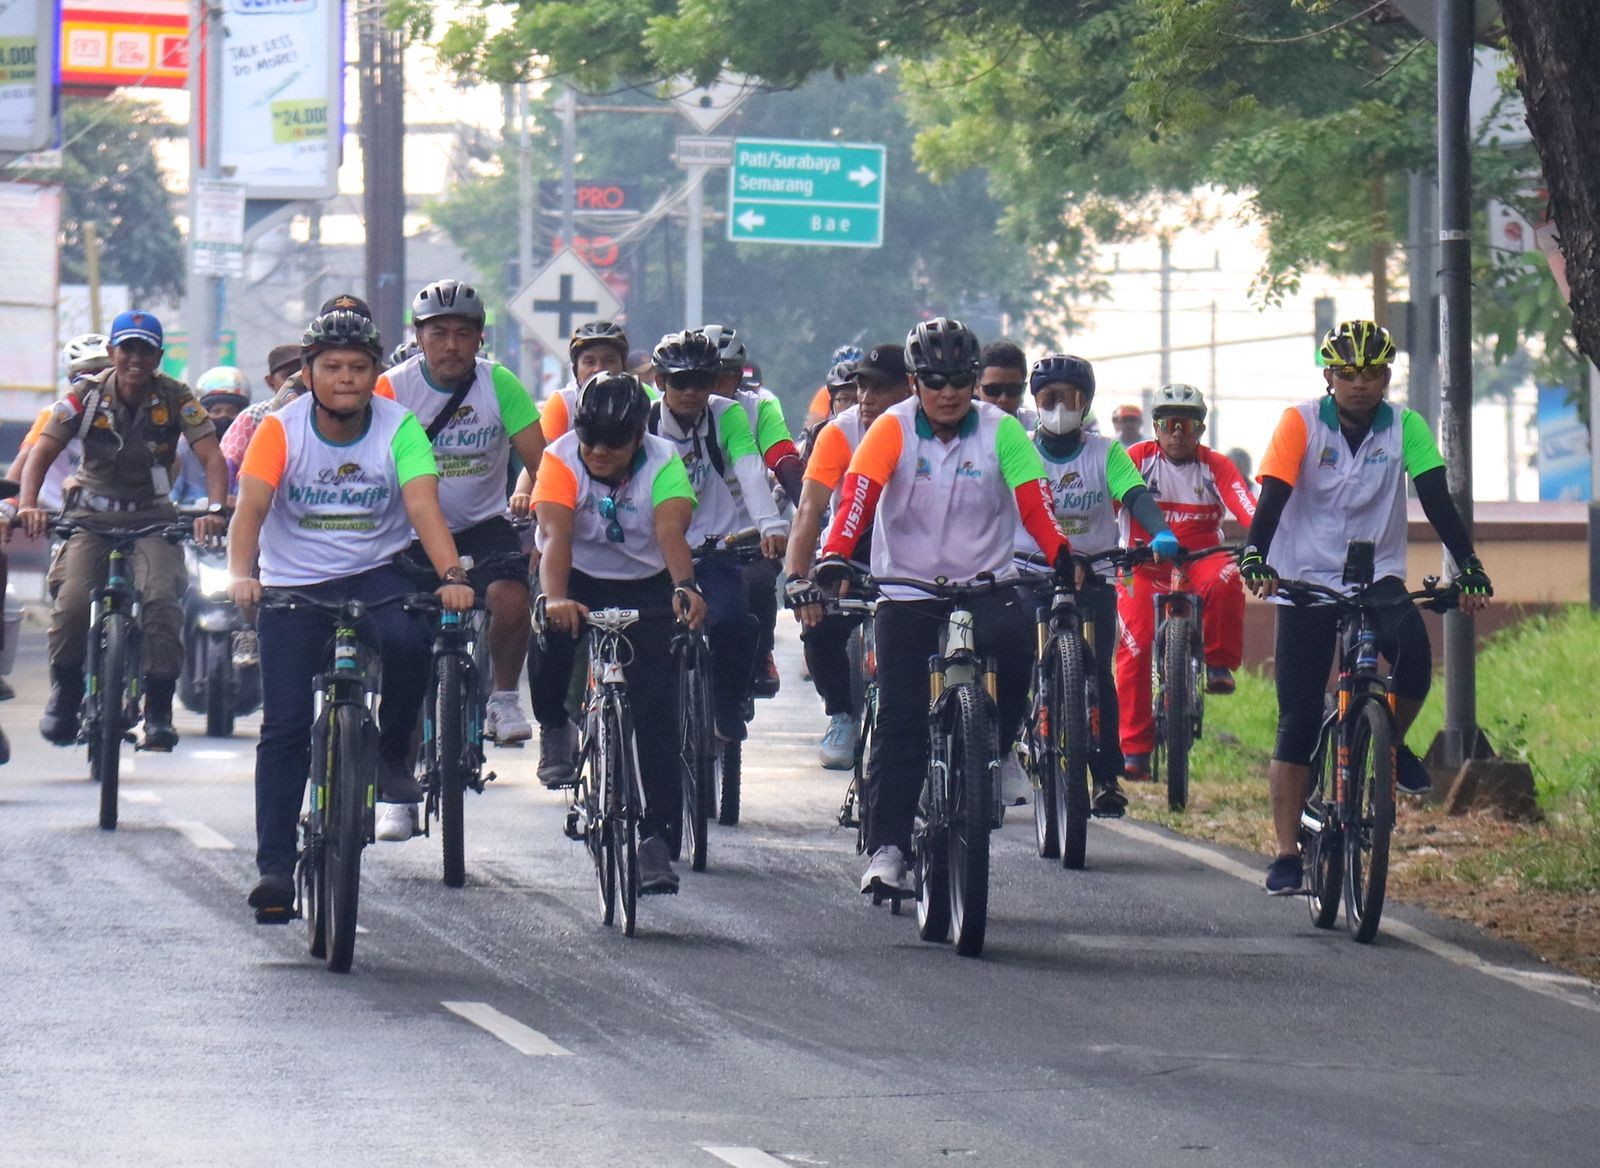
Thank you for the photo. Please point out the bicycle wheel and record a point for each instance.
(1177, 695)
(694, 752)
(594, 791)
(1041, 768)
(1069, 748)
(1322, 841)
(352, 777)
(974, 752)
(930, 858)
(1368, 816)
(450, 747)
(623, 807)
(855, 813)
(106, 693)
(731, 759)
(219, 691)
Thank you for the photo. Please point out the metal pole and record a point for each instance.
(91, 260)
(525, 214)
(1459, 739)
(694, 238)
(1166, 311)
(1594, 487)
(1422, 392)
(1216, 406)
(569, 153)
(205, 118)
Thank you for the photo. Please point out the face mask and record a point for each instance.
(1060, 420)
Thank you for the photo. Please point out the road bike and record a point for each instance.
(453, 711)
(697, 763)
(1348, 817)
(113, 669)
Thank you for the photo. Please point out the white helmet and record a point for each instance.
(223, 385)
(1176, 398)
(87, 353)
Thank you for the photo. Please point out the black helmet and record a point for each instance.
(729, 345)
(1075, 371)
(690, 350)
(843, 375)
(448, 298)
(341, 329)
(597, 332)
(942, 346)
(1359, 343)
(612, 408)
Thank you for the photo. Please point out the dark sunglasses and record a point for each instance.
(692, 379)
(608, 511)
(1003, 388)
(938, 381)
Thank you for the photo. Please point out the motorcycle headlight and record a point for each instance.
(213, 579)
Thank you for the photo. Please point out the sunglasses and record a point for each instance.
(692, 379)
(1178, 425)
(1360, 373)
(608, 511)
(1003, 388)
(938, 381)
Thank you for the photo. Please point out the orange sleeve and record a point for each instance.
(556, 483)
(830, 457)
(554, 419)
(32, 435)
(821, 401)
(384, 388)
(879, 451)
(267, 454)
(1287, 450)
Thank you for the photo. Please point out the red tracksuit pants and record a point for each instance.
(1216, 580)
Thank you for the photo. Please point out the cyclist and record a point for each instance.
(818, 409)
(1088, 475)
(1003, 379)
(475, 413)
(949, 476)
(1128, 421)
(129, 419)
(224, 392)
(842, 394)
(85, 356)
(880, 383)
(332, 486)
(614, 506)
(1335, 471)
(1195, 486)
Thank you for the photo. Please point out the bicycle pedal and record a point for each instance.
(660, 890)
(276, 916)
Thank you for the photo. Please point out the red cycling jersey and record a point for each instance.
(1193, 496)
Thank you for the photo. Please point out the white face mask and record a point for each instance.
(1060, 420)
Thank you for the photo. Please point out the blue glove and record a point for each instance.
(1165, 545)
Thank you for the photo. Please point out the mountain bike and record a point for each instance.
(113, 668)
(738, 548)
(1348, 817)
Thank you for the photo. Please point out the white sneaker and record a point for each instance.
(839, 743)
(397, 822)
(1015, 789)
(246, 649)
(887, 872)
(504, 720)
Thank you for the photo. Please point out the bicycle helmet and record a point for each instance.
(403, 352)
(597, 332)
(942, 346)
(1057, 367)
(729, 345)
(1178, 398)
(690, 350)
(340, 329)
(842, 375)
(223, 386)
(444, 298)
(612, 410)
(1359, 343)
(845, 353)
(86, 353)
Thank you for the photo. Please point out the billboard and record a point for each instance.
(27, 74)
(106, 43)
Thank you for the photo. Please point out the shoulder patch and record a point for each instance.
(64, 411)
(192, 413)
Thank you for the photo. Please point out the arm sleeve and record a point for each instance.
(555, 483)
(1019, 457)
(268, 453)
(1036, 506)
(739, 447)
(413, 453)
(1121, 475)
(830, 455)
(1285, 452)
(1433, 492)
(1146, 511)
(857, 503)
(385, 388)
(1236, 496)
(1420, 450)
(517, 409)
(554, 419)
(1269, 509)
(672, 482)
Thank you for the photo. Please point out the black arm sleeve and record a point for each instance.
(1145, 509)
(1433, 492)
(1269, 509)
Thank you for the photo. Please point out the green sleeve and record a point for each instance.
(733, 429)
(771, 426)
(1416, 440)
(672, 482)
(1019, 458)
(652, 393)
(413, 453)
(517, 409)
(1121, 475)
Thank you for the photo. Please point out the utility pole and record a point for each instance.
(694, 307)
(1166, 271)
(383, 171)
(1422, 258)
(1216, 405)
(202, 305)
(569, 161)
(525, 214)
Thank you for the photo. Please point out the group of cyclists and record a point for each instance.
(370, 475)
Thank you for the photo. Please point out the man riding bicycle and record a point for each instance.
(947, 478)
(224, 392)
(129, 420)
(1336, 471)
(1194, 486)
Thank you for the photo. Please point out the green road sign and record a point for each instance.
(823, 194)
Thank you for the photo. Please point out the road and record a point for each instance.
(1153, 1009)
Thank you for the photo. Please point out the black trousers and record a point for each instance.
(908, 633)
(761, 583)
(827, 647)
(1097, 606)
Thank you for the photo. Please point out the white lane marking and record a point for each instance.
(744, 1157)
(507, 1029)
(202, 836)
(137, 796)
(1551, 985)
(213, 754)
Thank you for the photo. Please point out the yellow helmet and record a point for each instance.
(1359, 343)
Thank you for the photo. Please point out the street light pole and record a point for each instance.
(202, 307)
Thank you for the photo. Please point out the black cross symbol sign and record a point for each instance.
(565, 307)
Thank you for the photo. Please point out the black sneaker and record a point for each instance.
(158, 736)
(1109, 802)
(1286, 876)
(655, 866)
(1409, 773)
(767, 681)
(59, 726)
(273, 899)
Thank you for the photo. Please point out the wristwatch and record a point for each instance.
(455, 575)
(215, 509)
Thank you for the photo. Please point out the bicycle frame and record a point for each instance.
(459, 635)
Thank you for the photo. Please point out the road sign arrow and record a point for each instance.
(750, 220)
(862, 177)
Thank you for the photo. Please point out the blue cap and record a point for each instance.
(136, 326)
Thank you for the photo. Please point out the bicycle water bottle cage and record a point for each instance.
(1358, 562)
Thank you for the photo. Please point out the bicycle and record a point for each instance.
(863, 655)
(1348, 817)
(696, 757)
(738, 548)
(959, 802)
(112, 667)
(1178, 671)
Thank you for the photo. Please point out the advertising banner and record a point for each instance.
(27, 74)
(30, 222)
(1563, 446)
(107, 43)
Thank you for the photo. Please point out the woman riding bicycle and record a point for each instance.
(949, 476)
(614, 506)
(329, 492)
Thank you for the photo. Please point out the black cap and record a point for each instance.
(345, 302)
(885, 361)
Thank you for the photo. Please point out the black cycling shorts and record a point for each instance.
(494, 548)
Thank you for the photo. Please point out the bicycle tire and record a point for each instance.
(352, 788)
(729, 780)
(313, 826)
(856, 796)
(219, 688)
(1041, 768)
(1177, 693)
(974, 756)
(1069, 721)
(856, 655)
(694, 737)
(930, 858)
(450, 745)
(105, 759)
(624, 806)
(1368, 816)
(1323, 852)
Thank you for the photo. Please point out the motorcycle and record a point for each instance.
(221, 667)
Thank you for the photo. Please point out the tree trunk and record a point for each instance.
(1556, 44)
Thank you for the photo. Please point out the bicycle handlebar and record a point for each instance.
(290, 600)
(1144, 554)
(1429, 596)
(172, 532)
(944, 589)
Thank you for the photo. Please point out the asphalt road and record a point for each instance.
(1153, 1009)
